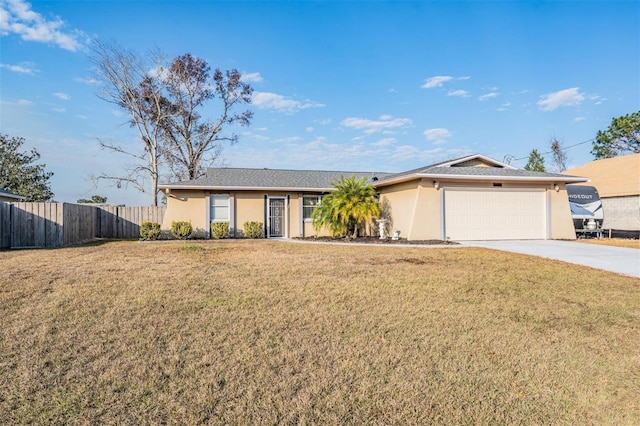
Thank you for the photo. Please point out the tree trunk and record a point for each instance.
(154, 190)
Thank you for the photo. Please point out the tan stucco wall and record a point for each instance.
(246, 206)
(415, 209)
(560, 215)
(249, 207)
(414, 206)
(190, 206)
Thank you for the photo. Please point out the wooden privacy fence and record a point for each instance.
(58, 224)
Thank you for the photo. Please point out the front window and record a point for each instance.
(220, 208)
(309, 203)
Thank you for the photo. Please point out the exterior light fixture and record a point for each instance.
(556, 187)
(436, 184)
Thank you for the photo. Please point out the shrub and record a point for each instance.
(181, 230)
(149, 230)
(219, 230)
(253, 230)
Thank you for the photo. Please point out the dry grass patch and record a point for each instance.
(261, 332)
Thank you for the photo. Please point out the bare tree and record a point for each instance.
(192, 141)
(127, 82)
(558, 155)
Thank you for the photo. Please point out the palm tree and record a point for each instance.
(352, 205)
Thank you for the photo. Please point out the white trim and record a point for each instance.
(444, 176)
(548, 213)
(473, 157)
(443, 225)
(244, 188)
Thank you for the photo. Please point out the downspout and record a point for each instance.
(266, 215)
(300, 216)
(232, 214)
(286, 217)
(208, 215)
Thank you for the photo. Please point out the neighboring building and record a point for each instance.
(617, 180)
(469, 198)
(8, 196)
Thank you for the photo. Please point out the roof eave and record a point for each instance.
(13, 196)
(476, 156)
(242, 188)
(565, 179)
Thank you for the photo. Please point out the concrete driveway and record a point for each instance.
(615, 259)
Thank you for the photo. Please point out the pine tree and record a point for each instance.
(19, 173)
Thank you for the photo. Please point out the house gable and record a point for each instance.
(477, 168)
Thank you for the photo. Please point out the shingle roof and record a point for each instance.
(494, 169)
(241, 178)
(476, 171)
(319, 180)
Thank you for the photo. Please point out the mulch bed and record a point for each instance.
(376, 240)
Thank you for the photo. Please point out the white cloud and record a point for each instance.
(266, 100)
(488, 96)
(385, 122)
(385, 142)
(460, 93)
(597, 99)
(16, 17)
(439, 80)
(251, 77)
(309, 129)
(410, 152)
(254, 136)
(62, 96)
(89, 81)
(59, 109)
(24, 102)
(18, 68)
(504, 106)
(289, 140)
(436, 81)
(567, 97)
(579, 119)
(437, 135)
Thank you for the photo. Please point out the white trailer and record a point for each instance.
(586, 210)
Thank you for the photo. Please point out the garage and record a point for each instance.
(494, 214)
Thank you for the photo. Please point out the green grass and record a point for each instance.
(261, 332)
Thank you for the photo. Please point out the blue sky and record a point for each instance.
(383, 86)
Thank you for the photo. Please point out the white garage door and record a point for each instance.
(494, 214)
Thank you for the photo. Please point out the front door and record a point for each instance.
(276, 218)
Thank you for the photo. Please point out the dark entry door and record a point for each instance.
(276, 217)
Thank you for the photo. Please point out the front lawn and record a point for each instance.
(263, 332)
